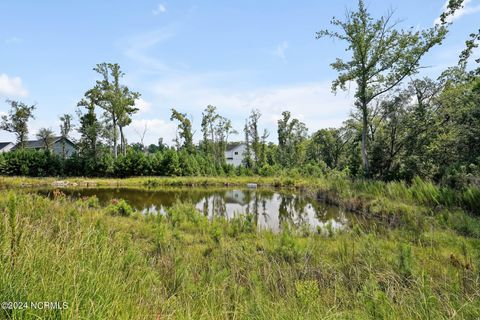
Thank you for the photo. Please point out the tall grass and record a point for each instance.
(182, 266)
(337, 184)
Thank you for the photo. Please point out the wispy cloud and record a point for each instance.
(138, 48)
(12, 86)
(13, 40)
(468, 8)
(312, 102)
(191, 91)
(159, 9)
(280, 51)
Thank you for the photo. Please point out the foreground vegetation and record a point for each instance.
(113, 263)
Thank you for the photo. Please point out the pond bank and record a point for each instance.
(391, 200)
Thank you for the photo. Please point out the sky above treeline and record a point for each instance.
(186, 54)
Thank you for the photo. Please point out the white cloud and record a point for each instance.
(142, 105)
(167, 86)
(468, 8)
(155, 129)
(313, 103)
(12, 86)
(159, 9)
(280, 51)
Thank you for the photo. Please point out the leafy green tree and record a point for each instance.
(291, 134)
(153, 148)
(247, 157)
(223, 130)
(263, 148)
(327, 145)
(117, 100)
(382, 57)
(47, 137)
(124, 120)
(209, 117)
(458, 127)
(171, 163)
(65, 128)
(252, 135)
(216, 131)
(184, 131)
(410, 153)
(17, 120)
(89, 127)
(452, 7)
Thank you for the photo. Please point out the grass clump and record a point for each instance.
(120, 208)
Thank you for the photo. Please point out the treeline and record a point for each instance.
(165, 162)
(428, 128)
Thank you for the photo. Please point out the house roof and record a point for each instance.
(39, 144)
(4, 144)
(234, 145)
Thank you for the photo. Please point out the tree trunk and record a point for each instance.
(366, 164)
(115, 154)
(122, 141)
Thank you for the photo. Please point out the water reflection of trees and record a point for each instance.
(141, 198)
(289, 207)
(292, 208)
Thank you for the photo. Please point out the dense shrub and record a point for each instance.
(30, 163)
(120, 208)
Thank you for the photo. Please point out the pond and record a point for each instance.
(271, 208)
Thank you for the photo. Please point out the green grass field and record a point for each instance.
(112, 263)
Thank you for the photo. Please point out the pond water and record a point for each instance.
(271, 208)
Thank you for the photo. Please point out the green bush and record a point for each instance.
(33, 163)
(120, 208)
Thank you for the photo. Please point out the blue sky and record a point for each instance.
(186, 54)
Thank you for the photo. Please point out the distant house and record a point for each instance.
(235, 153)
(235, 196)
(56, 146)
(6, 146)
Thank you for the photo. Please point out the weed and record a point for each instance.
(120, 208)
(307, 291)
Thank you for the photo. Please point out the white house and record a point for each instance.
(235, 196)
(6, 146)
(235, 154)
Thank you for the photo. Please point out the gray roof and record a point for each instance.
(39, 144)
(4, 144)
(233, 145)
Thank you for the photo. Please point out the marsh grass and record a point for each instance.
(336, 186)
(184, 266)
